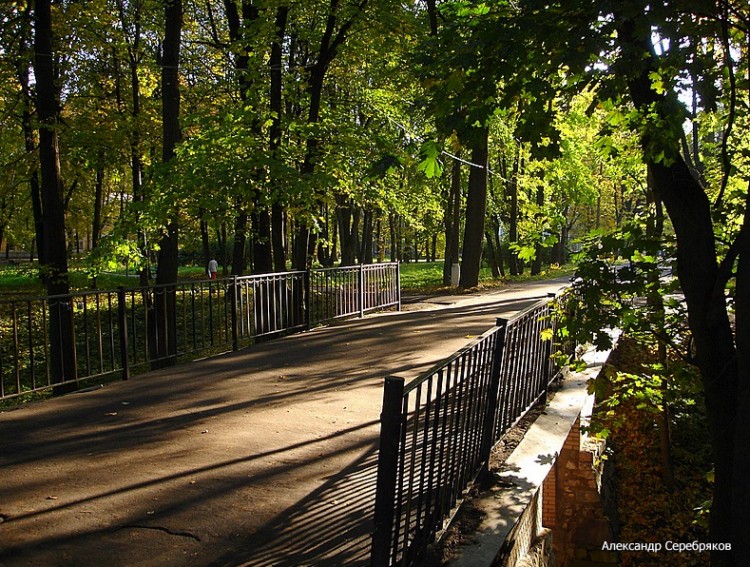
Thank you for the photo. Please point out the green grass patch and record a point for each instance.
(416, 277)
(427, 277)
(24, 280)
(421, 276)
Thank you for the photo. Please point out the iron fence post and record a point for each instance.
(122, 321)
(488, 427)
(385, 493)
(235, 309)
(307, 300)
(361, 284)
(547, 367)
(398, 284)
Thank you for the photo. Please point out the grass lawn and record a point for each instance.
(23, 279)
(427, 277)
(416, 277)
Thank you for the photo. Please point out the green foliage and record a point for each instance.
(617, 273)
(430, 156)
(632, 391)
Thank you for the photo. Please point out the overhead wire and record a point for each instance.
(411, 134)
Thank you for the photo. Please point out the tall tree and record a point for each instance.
(703, 282)
(55, 268)
(626, 34)
(276, 103)
(172, 134)
(130, 15)
(476, 208)
(339, 24)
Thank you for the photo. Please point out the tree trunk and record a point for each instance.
(34, 188)
(655, 301)
(27, 125)
(347, 225)
(205, 242)
(494, 266)
(168, 251)
(741, 465)
(495, 247)
(392, 234)
(476, 208)
(365, 254)
(278, 236)
(96, 225)
(453, 221)
(536, 264)
(278, 231)
(300, 246)
(513, 262)
(301, 259)
(726, 392)
(689, 210)
(222, 238)
(262, 257)
(330, 42)
(136, 162)
(62, 347)
(240, 237)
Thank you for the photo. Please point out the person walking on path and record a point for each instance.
(213, 268)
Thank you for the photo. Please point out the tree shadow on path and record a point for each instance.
(331, 526)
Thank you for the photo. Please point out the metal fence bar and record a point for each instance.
(391, 421)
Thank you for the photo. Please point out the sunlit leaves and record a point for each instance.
(430, 155)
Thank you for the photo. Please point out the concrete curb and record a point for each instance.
(527, 467)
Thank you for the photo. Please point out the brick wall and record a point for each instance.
(572, 505)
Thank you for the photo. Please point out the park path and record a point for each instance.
(263, 457)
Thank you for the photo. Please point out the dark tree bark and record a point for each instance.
(347, 216)
(476, 208)
(262, 257)
(536, 265)
(432, 14)
(495, 249)
(132, 31)
(221, 236)
(333, 38)
(703, 282)
(494, 267)
(514, 264)
(205, 240)
(365, 249)
(392, 233)
(172, 134)
(741, 464)
(301, 259)
(55, 267)
(27, 125)
(492, 233)
(96, 224)
(239, 262)
(278, 229)
(453, 221)
(171, 131)
(259, 230)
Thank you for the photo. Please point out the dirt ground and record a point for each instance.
(261, 457)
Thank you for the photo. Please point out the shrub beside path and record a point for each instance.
(260, 457)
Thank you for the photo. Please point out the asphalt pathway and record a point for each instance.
(263, 457)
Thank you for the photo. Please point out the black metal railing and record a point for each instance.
(437, 432)
(354, 290)
(135, 329)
